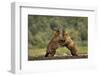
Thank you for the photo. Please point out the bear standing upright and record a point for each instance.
(61, 39)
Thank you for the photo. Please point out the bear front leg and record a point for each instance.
(50, 53)
(73, 49)
(46, 55)
(53, 53)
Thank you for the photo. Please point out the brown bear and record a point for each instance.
(61, 39)
(70, 44)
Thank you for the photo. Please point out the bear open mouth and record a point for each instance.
(60, 41)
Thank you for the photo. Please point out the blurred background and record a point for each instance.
(40, 33)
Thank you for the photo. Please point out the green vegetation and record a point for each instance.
(59, 52)
(40, 31)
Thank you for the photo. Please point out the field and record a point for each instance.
(61, 53)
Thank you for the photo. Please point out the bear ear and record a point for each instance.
(56, 29)
(53, 27)
(55, 33)
(66, 33)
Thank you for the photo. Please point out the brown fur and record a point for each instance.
(56, 43)
(70, 44)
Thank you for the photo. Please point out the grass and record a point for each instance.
(59, 52)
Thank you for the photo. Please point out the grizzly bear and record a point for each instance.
(70, 44)
(61, 39)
